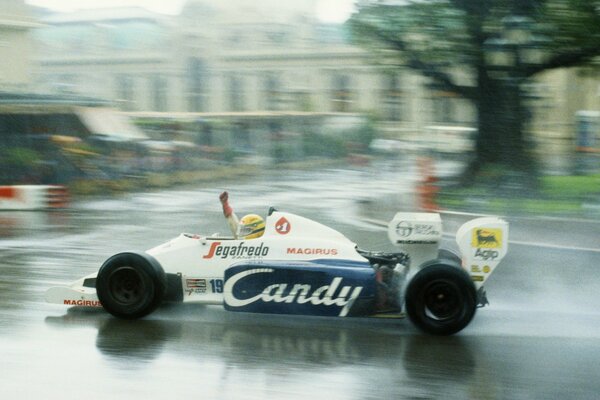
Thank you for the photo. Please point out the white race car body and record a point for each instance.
(298, 266)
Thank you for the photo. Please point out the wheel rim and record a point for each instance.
(126, 286)
(443, 300)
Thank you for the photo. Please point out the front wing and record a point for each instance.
(79, 293)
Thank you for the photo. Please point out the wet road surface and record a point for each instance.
(539, 338)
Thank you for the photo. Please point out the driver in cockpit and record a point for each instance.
(251, 226)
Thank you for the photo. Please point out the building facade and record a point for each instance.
(16, 46)
(266, 55)
(121, 55)
(233, 56)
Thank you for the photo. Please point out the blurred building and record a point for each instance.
(123, 55)
(237, 56)
(267, 55)
(16, 51)
(559, 98)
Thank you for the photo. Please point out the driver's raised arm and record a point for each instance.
(232, 219)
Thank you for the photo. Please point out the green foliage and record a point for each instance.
(229, 155)
(571, 186)
(572, 24)
(560, 195)
(434, 34)
(317, 145)
(19, 157)
(441, 38)
(366, 133)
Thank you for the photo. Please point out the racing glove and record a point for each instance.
(232, 219)
(227, 210)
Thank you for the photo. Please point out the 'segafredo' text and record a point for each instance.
(238, 251)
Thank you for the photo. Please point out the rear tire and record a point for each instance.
(445, 254)
(441, 299)
(131, 285)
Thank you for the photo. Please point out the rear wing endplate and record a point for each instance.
(483, 243)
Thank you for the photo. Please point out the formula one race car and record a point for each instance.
(302, 267)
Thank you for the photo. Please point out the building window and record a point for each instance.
(206, 135)
(159, 93)
(272, 91)
(125, 92)
(392, 97)
(444, 106)
(235, 38)
(277, 35)
(341, 96)
(66, 83)
(236, 93)
(241, 139)
(197, 78)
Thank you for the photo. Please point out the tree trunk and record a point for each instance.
(501, 136)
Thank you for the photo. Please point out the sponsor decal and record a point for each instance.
(282, 226)
(477, 278)
(309, 251)
(242, 250)
(332, 294)
(486, 255)
(416, 241)
(406, 229)
(477, 269)
(83, 303)
(487, 238)
(196, 286)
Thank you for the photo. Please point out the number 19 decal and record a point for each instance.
(216, 285)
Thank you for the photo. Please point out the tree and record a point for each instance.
(439, 38)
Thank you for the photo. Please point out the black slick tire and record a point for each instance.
(131, 285)
(441, 298)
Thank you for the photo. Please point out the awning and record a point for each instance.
(108, 122)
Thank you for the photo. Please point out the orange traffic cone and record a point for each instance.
(427, 188)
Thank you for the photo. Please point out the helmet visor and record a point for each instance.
(250, 229)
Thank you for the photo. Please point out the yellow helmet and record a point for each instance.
(251, 226)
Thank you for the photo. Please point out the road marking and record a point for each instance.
(554, 246)
(543, 218)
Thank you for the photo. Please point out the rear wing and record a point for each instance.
(417, 234)
(483, 243)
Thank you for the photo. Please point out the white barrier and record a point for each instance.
(33, 197)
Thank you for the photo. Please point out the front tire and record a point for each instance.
(131, 285)
(441, 299)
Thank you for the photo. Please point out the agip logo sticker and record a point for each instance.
(486, 238)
